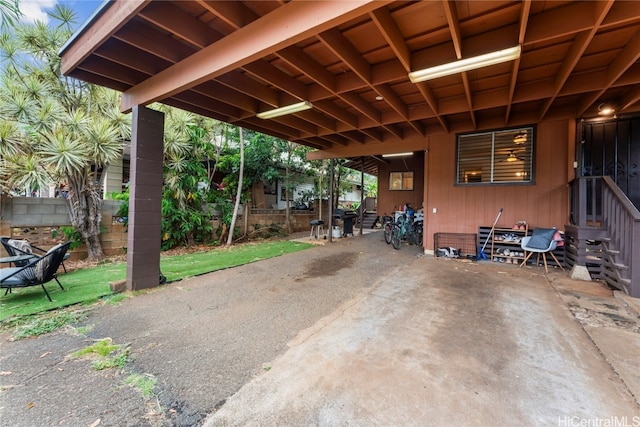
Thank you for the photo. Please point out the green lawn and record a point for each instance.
(88, 285)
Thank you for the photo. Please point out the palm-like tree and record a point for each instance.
(54, 129)
(9, 13)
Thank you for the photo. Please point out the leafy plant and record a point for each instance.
(32, 327)
(71, 235)
(145, 383)
(108, 355)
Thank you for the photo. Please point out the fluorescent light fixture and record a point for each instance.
(473, 63)
(289, 109)
(398, 154)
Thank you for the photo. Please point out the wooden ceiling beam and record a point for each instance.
(124, 54)
(331, 109)
(630, 98)
(285, 26)
(622, 62)
(263, 70)
(319, 119)
(391, 98)
(336, 42)
(456, 37)
(234, 13)
(300, 60)
(113, 16)
(151, 41)
(96, 65)
(227, 94)
(175, 21)
(206, 103)
(250, 87)
(524, 19)
(392, 34)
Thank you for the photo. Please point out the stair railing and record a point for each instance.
(621, 220)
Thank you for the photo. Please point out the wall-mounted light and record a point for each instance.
(397, 155)
(289, 109)
(467, 64)
(605, 109)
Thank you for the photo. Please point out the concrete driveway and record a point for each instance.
(348, 333)
(441, 342)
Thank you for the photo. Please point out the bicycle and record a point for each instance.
(387, 226)
(406, 229)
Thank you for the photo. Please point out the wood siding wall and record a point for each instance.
(462, 209)
(387, 199)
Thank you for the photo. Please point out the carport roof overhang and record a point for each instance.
(351, 59)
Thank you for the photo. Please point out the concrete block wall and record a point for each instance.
(36, 217)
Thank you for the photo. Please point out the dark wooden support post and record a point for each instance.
(145, 198)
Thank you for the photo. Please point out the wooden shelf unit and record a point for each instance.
(494, 245)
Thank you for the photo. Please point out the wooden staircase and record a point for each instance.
(369, 219)
(605, 233)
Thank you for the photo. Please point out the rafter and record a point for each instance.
(524, 19)
(174, 20)
(78, 49)
(235, 14)
(625, 59)
(285, 26)
(456, 37)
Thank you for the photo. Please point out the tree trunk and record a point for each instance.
(84, 204)
(287, 208)
(239, 192)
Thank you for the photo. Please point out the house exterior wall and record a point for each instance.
(388, 199)
(462, 209)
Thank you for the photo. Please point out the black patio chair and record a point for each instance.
(38, 271)
(25, 248)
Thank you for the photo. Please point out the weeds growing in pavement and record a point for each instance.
(37, 325)
(107, 354)
(145, 383)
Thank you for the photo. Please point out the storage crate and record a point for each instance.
(464, 242)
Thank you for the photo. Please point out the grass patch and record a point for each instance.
(89, 285)
(106, 354)
(32, 327)
(145, 383)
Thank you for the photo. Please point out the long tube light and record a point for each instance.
(409, 153)
(289, 109)
(472, 63)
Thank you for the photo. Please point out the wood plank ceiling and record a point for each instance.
(224, 60)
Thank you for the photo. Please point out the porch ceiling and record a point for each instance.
(230, 60)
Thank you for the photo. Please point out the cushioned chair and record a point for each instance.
(23, 247)
(38, 271)
(540, 242)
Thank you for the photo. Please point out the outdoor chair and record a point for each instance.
(540, 242)
(16, 247)
(38, 271)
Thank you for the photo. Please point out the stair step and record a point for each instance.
(611, 251)
(620, 266)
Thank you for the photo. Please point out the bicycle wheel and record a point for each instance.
(396, 237)
(388, 228)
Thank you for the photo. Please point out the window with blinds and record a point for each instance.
(496, 157)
